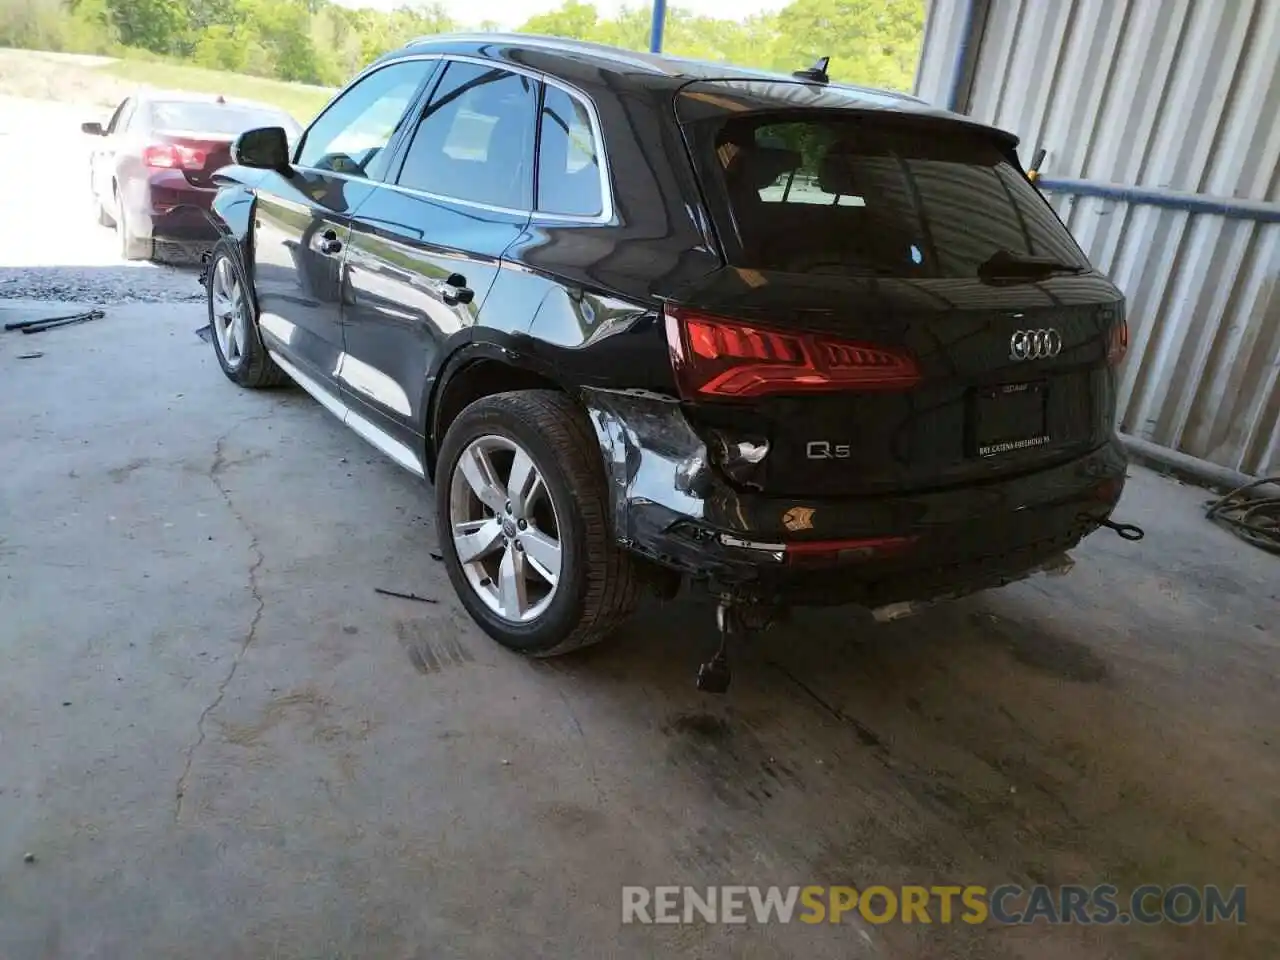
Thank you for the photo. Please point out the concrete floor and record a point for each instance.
(218, 741)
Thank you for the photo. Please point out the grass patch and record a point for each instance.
(301, 101)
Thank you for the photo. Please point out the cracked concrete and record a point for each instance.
(215, 470)
(260, 757)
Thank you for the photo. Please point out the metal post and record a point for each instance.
(966, 50)
(655, 31)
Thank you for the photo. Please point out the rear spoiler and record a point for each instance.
(706, 100)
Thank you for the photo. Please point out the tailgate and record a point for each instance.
(901, 308)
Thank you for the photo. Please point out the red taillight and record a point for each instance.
(821, 552)
(159, 156)
(173, 156)
(825, 552)
(1117, 342)
(717, 357)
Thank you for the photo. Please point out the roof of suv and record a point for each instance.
(639, 69)
(620, 60)
(585, 63)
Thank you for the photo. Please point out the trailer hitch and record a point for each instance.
(1126, 531)
(736, 616)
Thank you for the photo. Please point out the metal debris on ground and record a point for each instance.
(34, 355)
(206, 254)
(205, 333)
(28, 858)
(1254, 519)
(41, 324)
(403, 596)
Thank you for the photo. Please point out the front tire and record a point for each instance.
(522, 511)
(233, 320)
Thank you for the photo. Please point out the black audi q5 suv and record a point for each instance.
(643, 320)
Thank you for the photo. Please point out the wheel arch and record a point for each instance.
(475, 370)
(232, 212)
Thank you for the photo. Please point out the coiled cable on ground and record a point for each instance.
(1254, 519)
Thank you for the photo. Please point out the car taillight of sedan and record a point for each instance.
(175, 156)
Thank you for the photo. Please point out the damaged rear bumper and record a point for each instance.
(670, 505)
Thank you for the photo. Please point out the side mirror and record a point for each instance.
(266, 148)
(93, 129)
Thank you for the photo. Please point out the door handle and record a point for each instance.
(454, 290)
(329, 242)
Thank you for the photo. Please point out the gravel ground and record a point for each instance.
(58, 251)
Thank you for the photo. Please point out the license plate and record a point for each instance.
(1009, 418)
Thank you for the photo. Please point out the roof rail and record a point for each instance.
(650, 64)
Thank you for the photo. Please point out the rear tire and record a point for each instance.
(131, 247)
(242, 355)
(597, 583)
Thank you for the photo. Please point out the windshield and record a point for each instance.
(225, 118)
(863, 196)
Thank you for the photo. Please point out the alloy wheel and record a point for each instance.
(505, 529)
(230, 323)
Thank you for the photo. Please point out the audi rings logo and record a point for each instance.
(1035, 344)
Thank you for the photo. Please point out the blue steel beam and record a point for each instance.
(655, 30)
(960, 66)
(1261, 211)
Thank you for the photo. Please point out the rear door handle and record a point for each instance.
(329, 242)
(454, 290)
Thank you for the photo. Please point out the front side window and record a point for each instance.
(568, 159)
(475, 139)
(351, 136)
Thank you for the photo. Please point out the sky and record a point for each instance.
(512, 13)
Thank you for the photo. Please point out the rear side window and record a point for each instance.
(116, 124)
(866, 197)
(128, 116)
(475, 139)
(568, 158)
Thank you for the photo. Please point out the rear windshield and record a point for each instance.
(227, 118)
(865, 197)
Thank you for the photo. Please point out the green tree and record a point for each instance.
(220, 49)
(154, 25)
(575, 20)
(631, 27)
(870, 43)
(874, 42)
(333, 31)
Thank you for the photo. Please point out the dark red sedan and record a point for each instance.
(151, 171)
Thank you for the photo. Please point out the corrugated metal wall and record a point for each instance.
(1172, 94)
